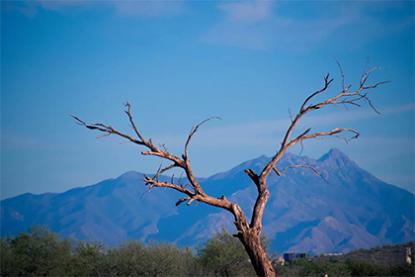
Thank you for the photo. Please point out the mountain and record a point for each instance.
(344, 208)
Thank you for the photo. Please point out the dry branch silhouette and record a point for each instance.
(249, 230)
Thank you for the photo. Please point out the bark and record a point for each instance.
(260, 260)
(248, 233)
(251, 239)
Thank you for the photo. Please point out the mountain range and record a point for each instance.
(343, 209)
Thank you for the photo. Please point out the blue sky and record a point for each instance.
(179, 62)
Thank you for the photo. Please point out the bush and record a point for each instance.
(224, 255)
(358, 268)
(38, 252)
(88, 259)
(316, 268)
(41, 253)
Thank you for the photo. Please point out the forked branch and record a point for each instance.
(345, 97)
(192, 192)
(249, 234)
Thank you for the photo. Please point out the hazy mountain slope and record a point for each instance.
(352, 209)
(347, 209)
(111, 211)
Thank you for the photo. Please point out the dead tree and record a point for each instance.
(248, 229)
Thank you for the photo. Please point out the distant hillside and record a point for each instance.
(386, 255)
(388, 260)
(347, 210)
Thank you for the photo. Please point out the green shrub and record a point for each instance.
(38, 252)
(224, 255)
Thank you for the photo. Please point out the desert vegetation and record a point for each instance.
(40, 252)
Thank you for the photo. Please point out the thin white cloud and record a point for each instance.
(258, 25)
(260, 28)
(247, 11)
(247, 140)
(266, 133)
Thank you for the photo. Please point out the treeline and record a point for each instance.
(41, 253)
(334, 267)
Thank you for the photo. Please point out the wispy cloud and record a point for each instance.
(252, 24)
(262, 25)
(264, 133)
(247, 11)
(372, 151)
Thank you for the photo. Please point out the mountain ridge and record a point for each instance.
(347, 209)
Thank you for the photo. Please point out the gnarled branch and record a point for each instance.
(249, 234)
(196, 193)
(344, 97)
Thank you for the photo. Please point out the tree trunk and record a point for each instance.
(258, 255)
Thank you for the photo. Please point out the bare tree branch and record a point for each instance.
(305, 135)
(312, 168)
(107, 129)
(196, 193)
(277, 171)
(165, 169)
(185, 156)
(181, 200)
(344, 97)
(249, 234)
(153, 182)
(130, 118)
(193, 131)
(327, 82)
